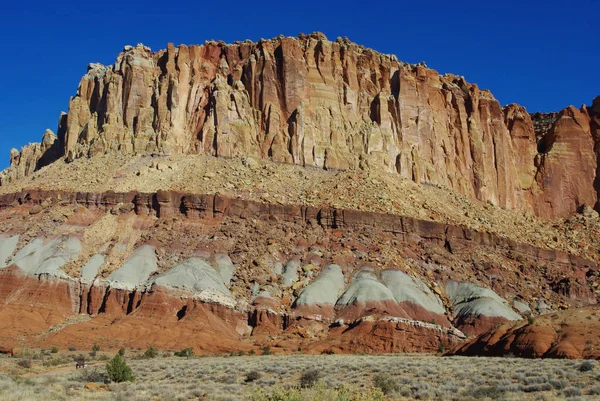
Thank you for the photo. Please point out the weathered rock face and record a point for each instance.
(32, 157)
(158, 269)
(314, 102)
(564, 334)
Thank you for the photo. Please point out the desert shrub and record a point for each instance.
(24, 363)
(320, 392)
(241, 353)
(118, 371)
(558, 384)
(309, 378)
(572, 392)
(92, 375)
(266, 350)
(226, 379)
(594, 391)
(492, 392)
(586, 366)
(121, 351)
(96, 348)
(186, 352)
(533, 388)
(251, 352)
(150, 352)
(252, 376)
(385, 383)
(534, 380)
(54, 350)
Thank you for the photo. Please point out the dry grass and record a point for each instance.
(342, 377)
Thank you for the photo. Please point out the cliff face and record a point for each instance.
(334, 105)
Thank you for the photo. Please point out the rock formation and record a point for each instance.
(333, 105)
(157, 269)
(565, 334)
(358, 204)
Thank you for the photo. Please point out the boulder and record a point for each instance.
(290, 272)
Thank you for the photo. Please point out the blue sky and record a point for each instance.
(543, 55)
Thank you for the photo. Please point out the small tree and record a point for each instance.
(151, 352)
(118, 371)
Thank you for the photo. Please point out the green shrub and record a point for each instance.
(266, 350)
(251, 352)
(186, 352)
(151, 352)
(385, 383)
(54, 350)
(309, 378)
(118, 371)
(252, 376)
(586, 366)
(96, 348)
(441, 348)
(121, 351)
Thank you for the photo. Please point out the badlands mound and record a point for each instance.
(299, 193)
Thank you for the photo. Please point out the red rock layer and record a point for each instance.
(383, 337)
(167, 203)
(573, 333)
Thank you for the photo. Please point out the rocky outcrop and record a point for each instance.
(320, 297)
(415, 297)
(477, 309)
(567, 334)
(326, 104)
(31, 158)
(367, 296)
(198, 268)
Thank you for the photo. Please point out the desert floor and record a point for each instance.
(52, 376)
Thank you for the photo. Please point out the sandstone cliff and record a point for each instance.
(334, 105)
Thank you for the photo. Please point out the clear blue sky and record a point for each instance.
(541, 54)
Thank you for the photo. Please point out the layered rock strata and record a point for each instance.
(333, 105)
(205, 278)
